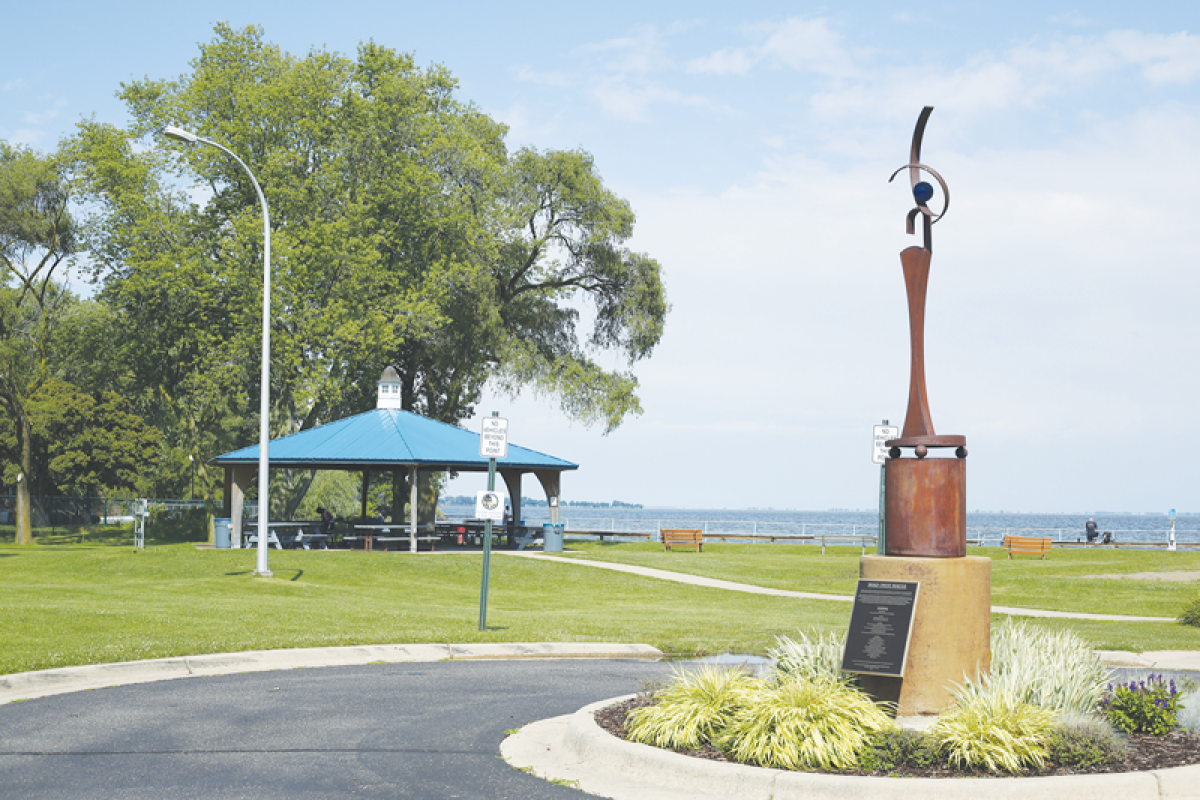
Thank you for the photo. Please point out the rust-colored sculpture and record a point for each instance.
(926, 498)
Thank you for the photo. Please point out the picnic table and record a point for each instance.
(301, 534)
(372, 534)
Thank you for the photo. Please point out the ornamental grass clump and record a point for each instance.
(1145, 706)
(811, 655)
(803, 723)
(691, 710)
(1187, 717)
(995, 730)
(1056, 670)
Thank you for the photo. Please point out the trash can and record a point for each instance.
(552, 538)
(221, 530)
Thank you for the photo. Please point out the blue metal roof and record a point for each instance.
(389, 437)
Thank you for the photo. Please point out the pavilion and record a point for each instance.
(389, 439)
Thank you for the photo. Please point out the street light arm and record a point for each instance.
(264, 429)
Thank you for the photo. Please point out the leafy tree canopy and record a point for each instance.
(403, 232)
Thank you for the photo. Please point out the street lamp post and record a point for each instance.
(192, 470)
(264, 428)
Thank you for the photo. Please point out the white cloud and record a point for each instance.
(731, 61)
(641, 53)
(632, 100)
(27, 136)
(528, 75)
(796, 43)
(1163, 59)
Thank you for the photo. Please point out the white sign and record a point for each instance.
(489, 505)
(493, 440)
(882, 434)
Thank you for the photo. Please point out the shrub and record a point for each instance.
(1146, 706)
(803, 723)
(692, 709)
(897, 748)
(1191, 613)
(811, 655)
(995, 731)
(1085, 740)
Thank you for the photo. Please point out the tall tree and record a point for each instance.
(37, 236)
(403, 233)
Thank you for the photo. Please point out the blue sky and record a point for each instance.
(754, 141)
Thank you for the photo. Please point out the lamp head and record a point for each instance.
(180, 134)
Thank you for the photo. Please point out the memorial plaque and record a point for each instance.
(880, 627)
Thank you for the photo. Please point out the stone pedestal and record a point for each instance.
(951, 634)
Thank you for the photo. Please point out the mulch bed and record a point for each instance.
(1145, 752)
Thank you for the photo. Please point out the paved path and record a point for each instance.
(716, 583)
(403, 730)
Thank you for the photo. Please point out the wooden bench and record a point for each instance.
(682, 538)
(862, 540)
(1027, 545)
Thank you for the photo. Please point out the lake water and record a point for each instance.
(991, 527)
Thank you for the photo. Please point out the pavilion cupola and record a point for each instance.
(389, 389)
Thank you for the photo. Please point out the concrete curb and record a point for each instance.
(574, 748)
(28, 685)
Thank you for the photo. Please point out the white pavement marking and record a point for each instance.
(715, 583)
(43, 683)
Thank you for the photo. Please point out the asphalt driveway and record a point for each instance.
(418, 730)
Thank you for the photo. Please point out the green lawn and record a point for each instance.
(67, 603)
(1058, 583)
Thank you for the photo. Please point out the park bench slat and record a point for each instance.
(1027, 545)
(674, 537)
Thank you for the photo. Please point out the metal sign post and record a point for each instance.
(493, 444)
(879, 454)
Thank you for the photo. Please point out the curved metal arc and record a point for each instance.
(924, 209)
(914, 157)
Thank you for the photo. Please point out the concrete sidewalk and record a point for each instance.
(716, 583)
(44, 683)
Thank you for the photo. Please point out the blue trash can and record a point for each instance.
(221, 530)
(552, 538)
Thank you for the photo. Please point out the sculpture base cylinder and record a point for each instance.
(926, 506)
(951, 629)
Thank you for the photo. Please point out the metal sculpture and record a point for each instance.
(926, 499)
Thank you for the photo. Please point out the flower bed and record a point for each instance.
(1146, 752)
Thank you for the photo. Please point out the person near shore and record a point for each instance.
(1092, 530)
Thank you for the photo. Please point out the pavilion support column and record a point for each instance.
(240, 480)
(551, 480)
(227, 496)
(512, 479)
(365, 486)
(398, 484)
(412, 509)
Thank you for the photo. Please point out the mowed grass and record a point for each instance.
(71, 604)
(1064, 581)
(85, 604)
